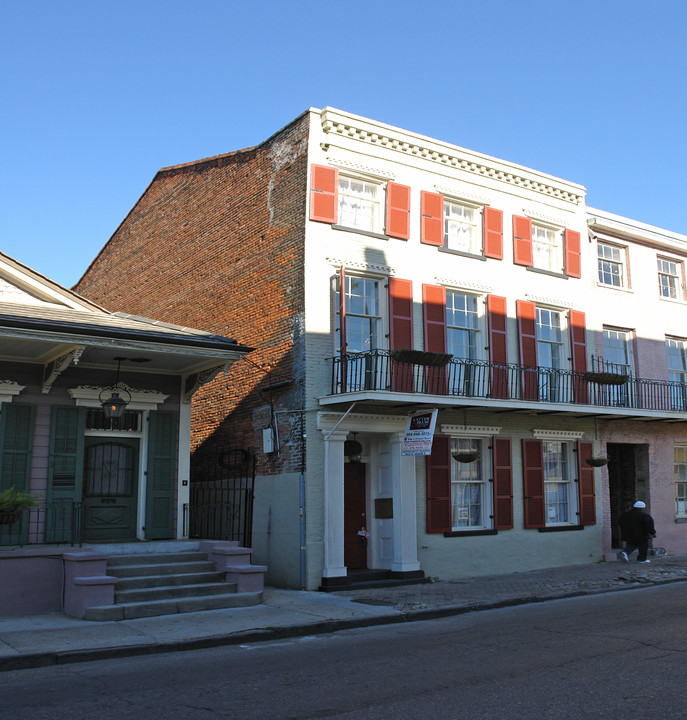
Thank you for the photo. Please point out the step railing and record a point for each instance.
(57, 522)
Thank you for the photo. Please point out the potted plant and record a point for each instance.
(13, 503)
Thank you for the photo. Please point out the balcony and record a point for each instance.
(390, 376)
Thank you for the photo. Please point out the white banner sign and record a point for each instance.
(419, 432)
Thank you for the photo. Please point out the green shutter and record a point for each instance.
(161, 475)
(16, 443)
(65, 473)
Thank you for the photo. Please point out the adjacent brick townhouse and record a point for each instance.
(380, 275)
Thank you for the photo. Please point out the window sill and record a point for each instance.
(677, 301)
(560, 528)
(472, 256)
(533, 269)
(681, 519)
(356, 231)
(470, 533)
(614, 287)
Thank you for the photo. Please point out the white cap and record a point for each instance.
(639, 504)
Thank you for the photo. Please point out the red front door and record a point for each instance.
(355, 550)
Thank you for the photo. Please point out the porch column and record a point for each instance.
(334, 505)
(405, 500)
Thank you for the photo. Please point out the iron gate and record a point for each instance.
(221, 496)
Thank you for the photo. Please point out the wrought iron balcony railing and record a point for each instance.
(436, 374)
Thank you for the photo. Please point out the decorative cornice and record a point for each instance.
(8, 389)
(470, 430)
(89, 396)
(463, 193)
(557, 434)
(451, 156)
(557, 220)
(362, 169)
(360, 265)
(464, 284)
(554, 302)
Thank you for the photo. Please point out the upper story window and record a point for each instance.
(611, 260)
(677, 360)
(618, 350)
(547, 248)
(550, 346)
(669, 278)
(462, 227)
(676, 356)
(360, 204)
(362, 317)
(462, 325)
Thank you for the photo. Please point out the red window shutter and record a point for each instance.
(578, 342)
(573, 256)
(493, 233)
(438, 485)
(527, 331)
(522, 241)
(503, 484)
(533, 483)
(587, 497)
(432, 218)
(342, 310)
(498, 355)
(434, 315)
(398, 210)
(324, 194)
(401, 331)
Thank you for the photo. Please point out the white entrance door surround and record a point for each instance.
(335, 428)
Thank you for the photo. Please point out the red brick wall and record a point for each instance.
(218, 245)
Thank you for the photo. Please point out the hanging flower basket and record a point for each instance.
(466, 456)
(9, 518)
(597, 461)
(606, 378)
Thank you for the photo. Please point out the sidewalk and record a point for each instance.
(41, 640)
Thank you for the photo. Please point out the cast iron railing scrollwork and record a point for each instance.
(382, 370)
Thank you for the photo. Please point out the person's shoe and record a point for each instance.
(643, 561)
(623, 556)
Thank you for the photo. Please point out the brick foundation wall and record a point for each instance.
(218, 245)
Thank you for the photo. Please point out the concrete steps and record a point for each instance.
(167, 583)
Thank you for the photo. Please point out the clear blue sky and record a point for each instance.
(97, 96)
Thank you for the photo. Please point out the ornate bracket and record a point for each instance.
(53, 369)
(193, 382)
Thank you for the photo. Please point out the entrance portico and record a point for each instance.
(390, 495)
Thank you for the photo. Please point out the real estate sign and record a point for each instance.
(419, 432)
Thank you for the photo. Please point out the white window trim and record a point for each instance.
(383, 300)
(624, 250)
(558, 230)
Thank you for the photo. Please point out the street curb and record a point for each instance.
(66, 657)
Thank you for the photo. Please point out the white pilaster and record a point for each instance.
(405, 522)
(334, 504)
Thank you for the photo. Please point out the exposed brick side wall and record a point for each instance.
(218, 245)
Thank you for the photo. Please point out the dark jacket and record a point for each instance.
(636, 525)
